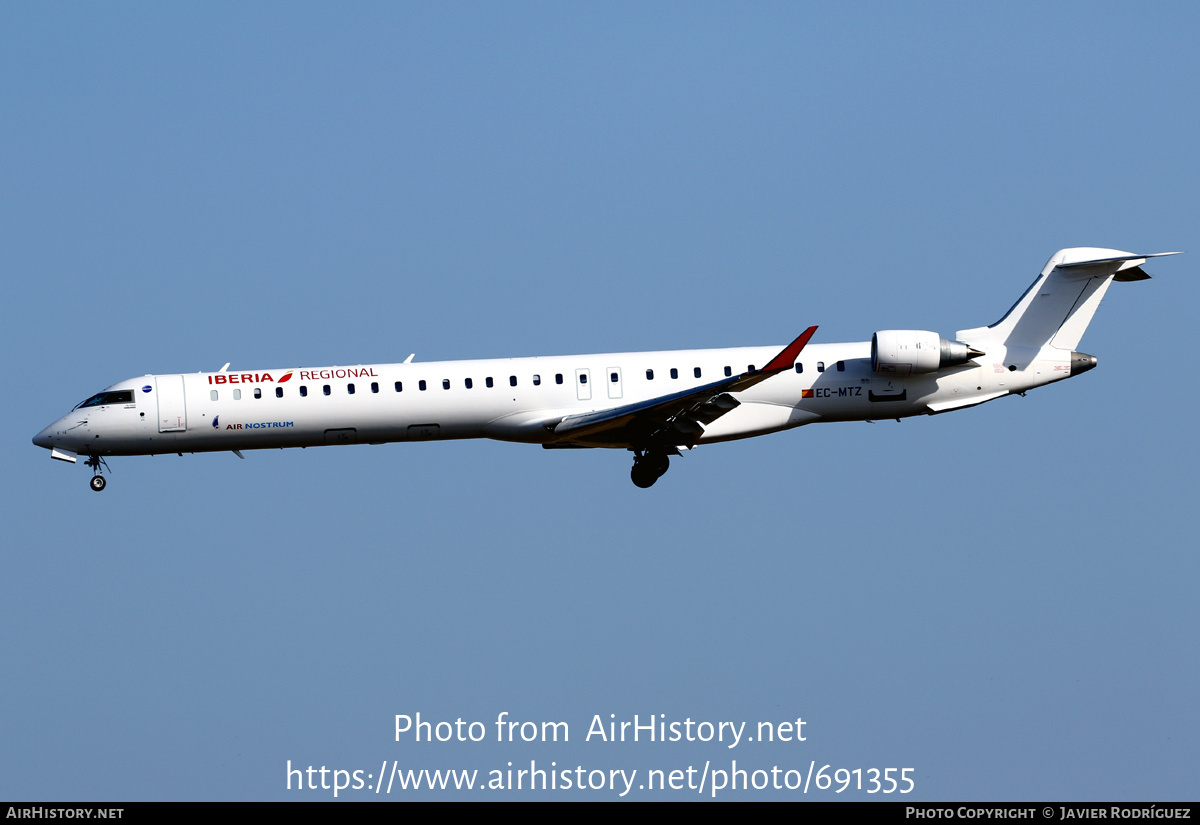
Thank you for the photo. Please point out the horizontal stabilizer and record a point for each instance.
(1129, 260)
(1133, 274)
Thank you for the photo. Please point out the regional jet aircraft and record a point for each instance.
(651, 403)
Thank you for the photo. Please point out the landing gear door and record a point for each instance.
(172, 412)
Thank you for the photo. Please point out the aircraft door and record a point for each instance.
(172, 410)
(583, 385)
(614, 381)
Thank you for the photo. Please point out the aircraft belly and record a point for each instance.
(526, 426)
(753, 418)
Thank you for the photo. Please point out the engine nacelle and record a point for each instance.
(915, 351)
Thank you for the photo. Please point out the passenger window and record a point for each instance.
(213, 395)
(445, 383)
(841, 366)
(488, 381)
(399, 386)
(614, 377)
(350, 389)
(237, 395)
(799, 367)
(583, 378)
(558, 378)
(820, 366)
(279, 392)
(674, 372)
(649, 375)
(258, 392)
(325, 389)
(512, 380)
(696, 372)
(421, 385)
(537, 380)
(468, 383)
(374, 386)
(728, 371)
(303, 391)
(749, 368)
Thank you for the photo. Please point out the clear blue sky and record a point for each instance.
(1003, 599)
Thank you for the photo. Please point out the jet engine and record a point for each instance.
(914, 351)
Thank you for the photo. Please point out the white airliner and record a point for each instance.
(651, 403)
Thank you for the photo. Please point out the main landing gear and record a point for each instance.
(648, 467)
(98, 483)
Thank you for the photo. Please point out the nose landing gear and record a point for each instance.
(648, 467)
(98, 482)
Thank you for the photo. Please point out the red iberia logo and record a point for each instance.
(245, 377)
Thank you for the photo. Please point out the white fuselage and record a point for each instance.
(511, 399)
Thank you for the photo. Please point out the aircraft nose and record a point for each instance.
(45, 438)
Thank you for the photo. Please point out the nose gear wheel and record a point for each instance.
(98, 481)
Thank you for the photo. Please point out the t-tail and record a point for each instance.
(1057, 308)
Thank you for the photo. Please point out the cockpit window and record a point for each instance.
(102, 398)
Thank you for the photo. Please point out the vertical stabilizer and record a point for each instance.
(1057, 308)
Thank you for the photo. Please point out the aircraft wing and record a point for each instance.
(674, 419)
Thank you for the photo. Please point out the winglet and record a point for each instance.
(785, 359)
